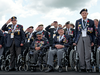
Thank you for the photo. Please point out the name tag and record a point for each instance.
(28, 40)
(54, 35)
(84, 33)
(12, 35)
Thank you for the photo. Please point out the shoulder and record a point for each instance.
(78, 20)
(90, 20)
(20, 25)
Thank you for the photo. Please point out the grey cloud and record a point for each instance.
(47, 5)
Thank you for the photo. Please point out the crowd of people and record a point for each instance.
(56, 39)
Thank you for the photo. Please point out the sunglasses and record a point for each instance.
(13, 20)
(38, 36)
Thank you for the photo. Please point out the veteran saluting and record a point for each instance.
(85, 32)
(15, 38)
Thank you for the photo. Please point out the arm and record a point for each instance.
(48, 28)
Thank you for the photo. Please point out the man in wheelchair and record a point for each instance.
(38, 46)
(60, 44)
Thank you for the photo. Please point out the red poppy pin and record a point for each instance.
(87, 20)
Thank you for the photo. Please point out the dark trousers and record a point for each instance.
(14, 51)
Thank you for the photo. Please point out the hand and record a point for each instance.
(21, 44)
(8, 21)
(37, 29)
(27, 29)
(37, 48)
(59, 46)
(74, 44)
(64, 26)
(92, 44)
(52, 24)
(0, 46)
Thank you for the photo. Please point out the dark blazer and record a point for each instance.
(27, 34)
(72, 33)
(51, 31)
(1, 37)
(66, 41)
(43, 43)
(78, 30)
(19, 36)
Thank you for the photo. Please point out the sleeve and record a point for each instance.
(76, 31)
(1, 38)
(48, 28)
(69, 41)
(22, 35)
(4, 27)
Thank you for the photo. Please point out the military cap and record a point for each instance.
(14, 17)
(60, 28)
(40, 25)
(83, 10)
(55, 22)
(31, 27)
(38, 33)
(67, 22)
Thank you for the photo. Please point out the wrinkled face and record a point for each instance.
(61, 32)
(95, 22)
(40, 28)
(84, 14)
(55, 25)
(60, 25)
(39, 37)
(30, 30)
(68, 26)
(14, 21)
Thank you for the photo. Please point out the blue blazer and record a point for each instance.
(78, 29)
(19, 37)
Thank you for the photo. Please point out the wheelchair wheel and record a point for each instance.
(98, 58)
(7, 68)
(41, 67)
(72, 59)
(26, 67)
(94, 69)
(99, 68)
(20, 68)
(2, 68)
(66, 68)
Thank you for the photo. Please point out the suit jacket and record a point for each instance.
(19, 35)
(1, 37)
(27, 35)
(72, 34)
(66, 41)
(51, 31)
(78, 30)
(43, 43)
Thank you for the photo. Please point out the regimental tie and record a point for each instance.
(84, 24)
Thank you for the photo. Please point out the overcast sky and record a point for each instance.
(35, 12)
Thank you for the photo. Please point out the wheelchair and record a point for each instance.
(64, 60)
(74, 60)
(41, 63)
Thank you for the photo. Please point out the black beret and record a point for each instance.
(31, 27)
(40, 25)
(60, 28)
(83, 10)
(14, 17)
(68, 22)
(38, 33)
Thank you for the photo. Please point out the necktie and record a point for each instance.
(84, 24)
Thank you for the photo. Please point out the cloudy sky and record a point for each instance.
(35, 12)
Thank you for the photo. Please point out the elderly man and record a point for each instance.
(60, 44)
(40, 29)
(52, 31)
(85, 32)
(38, 45)
(15, 39)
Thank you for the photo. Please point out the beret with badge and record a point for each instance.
(14, 17)
(39, 33)
(83, 10)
